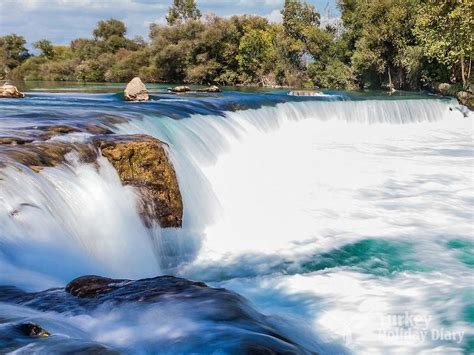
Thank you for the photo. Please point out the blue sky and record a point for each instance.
(63, 20)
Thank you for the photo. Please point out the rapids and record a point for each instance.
(346, 219)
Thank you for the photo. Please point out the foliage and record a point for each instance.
(445, 30)
(12, 52)
(182, 11)
(111, 27)
(46, 48)
(402, 44)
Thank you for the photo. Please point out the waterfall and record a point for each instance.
(71, 220)
(325, 212)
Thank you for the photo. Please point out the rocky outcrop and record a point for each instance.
(142, 162)
(10, 92)
(219, 313)
(467, 99)
(136, 91)
(180, 89)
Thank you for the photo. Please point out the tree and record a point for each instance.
(255, 53)
(445, 30)
(182, 11)
(298, 18)
(12, 52)
(380, 33)
(46, 48)
(109, 28)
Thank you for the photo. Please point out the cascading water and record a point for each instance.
(326, 213)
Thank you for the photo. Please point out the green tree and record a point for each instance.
(255, 53)
(182, 11)
(46, 48)
(298, 18)
(380, 33)
(12, 52)
(109, 28)
(445, 30)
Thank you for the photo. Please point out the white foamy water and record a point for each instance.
(336, 216)
(299, 180)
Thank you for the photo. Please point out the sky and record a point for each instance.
(60, 21)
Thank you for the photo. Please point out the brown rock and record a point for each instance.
(90, 286)
(39, 155)
(9, 91)
(15, 140)
(142, 162)
(136, 91)
(212, 88)
(181, 88)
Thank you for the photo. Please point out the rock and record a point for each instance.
(90, 286)
(180, 89)
(212, 88)
(39, 155)
(466, 99)
(15, 140)
(444, 88)
(32, 330)
(9, 91)
(141, 161)
(93, 128)
(136, 91)
(220, 313)
(47, 132)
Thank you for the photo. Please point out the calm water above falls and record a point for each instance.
(347, 220)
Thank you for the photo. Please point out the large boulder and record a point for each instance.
(141, 161)
(136, 91)
(10, 92)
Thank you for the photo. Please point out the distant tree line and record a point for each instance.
(401, 44)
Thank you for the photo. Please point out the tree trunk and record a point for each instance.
(390, 85)
(463, 74)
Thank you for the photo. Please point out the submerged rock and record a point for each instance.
(15, 140)
(141, 161)
(136, 91)
(180, 88)
(39, 155)
(222, 321)
(9, 91)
